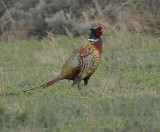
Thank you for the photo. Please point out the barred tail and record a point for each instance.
(44, 85)
(52, 81)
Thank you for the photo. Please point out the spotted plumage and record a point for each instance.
(83, 62)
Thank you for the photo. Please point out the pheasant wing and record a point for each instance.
(85, 63)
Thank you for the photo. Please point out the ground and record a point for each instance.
(122, 95)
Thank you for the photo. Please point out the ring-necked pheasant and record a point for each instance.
(83, 62)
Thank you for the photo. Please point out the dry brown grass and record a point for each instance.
(51, 54)
(121, 19)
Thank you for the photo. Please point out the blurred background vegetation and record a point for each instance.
(20, 19)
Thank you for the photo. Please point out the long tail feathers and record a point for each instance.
(51, 82)
(44, 85)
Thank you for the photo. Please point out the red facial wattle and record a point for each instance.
(98, 31)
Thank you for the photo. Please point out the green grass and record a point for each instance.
(123, 95)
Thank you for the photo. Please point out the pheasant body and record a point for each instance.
(83, 62)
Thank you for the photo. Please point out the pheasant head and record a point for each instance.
(95, 34)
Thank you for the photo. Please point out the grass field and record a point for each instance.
(123, 95)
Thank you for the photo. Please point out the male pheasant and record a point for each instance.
(83, 62)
